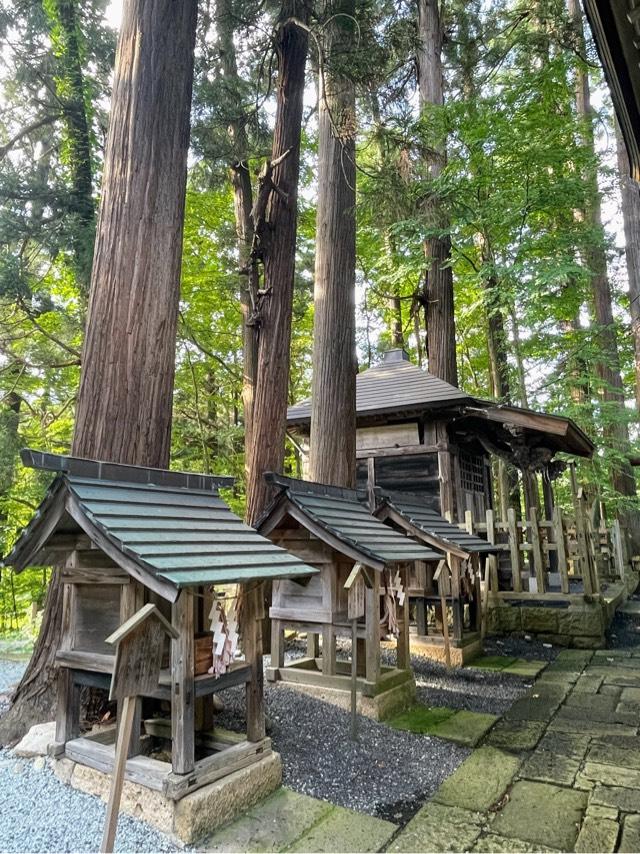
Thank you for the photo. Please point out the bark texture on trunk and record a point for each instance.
(332, 456)
(630, 191)
(278, 248)
(124, 405)
(437, 295)
(125, 402)
(608, 367)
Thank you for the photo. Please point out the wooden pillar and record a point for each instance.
(313, 645)
(372, 628)
(68, 707)
(131, 600)
(536, 550)
(183, 687)
(402, 655)
(252, 641)
(549, 508)
(445, 476)
(456, 596)
(329, 594)
(561, 549)
(277, 644)
(514, 549)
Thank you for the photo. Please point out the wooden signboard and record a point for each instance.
(139, 644)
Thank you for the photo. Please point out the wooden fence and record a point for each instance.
(557, 557)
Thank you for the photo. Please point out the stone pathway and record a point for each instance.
(559, 772)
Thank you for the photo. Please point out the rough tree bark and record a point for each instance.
(437, 294)
(278, 249)
(332, 457)
(125, 401)
(608, 367)
(243, 204)
(630, 191)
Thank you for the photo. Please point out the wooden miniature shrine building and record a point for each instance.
(458, 590)
(123, 536)
(419, 434)
(332, 529)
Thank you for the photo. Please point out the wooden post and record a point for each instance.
(455, 564)
(277, 644)
(536, 547)
(117, 780)
(183, 689)
(354, 679)
(618, 552)
(491, 570)
(445, 476)
(561, 549)
(514, 549)
(372, 629)
(402, 647)
(445, 622)
(313, 645)
(549, 512)
(131, 600)
(252, 642)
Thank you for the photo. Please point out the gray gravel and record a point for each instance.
(386, 773)
(10, 674)
(41, 814)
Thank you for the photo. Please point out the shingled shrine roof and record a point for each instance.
(395, 384)
(417, 519)
(338, 517)
(167, 529)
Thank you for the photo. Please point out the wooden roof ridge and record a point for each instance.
(120, 472)
(147, 611)
(312, 487)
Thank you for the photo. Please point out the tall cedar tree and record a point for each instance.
(125, 400)
(608, 366)
(277, 230)
(437, 295)
(333, 393)
(630, 192)
(243, 205)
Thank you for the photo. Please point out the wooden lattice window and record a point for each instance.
(472, 472)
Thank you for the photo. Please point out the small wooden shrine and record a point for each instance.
(458, 589)
(419, 434)
(332, 529)
(123, 536)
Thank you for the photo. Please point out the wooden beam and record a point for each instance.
(253, 610)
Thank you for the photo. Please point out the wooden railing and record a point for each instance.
(559, 556)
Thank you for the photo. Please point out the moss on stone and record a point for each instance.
(420, 719)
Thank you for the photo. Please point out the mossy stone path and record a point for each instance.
(462, 727)
(559, 772)
(521, 667)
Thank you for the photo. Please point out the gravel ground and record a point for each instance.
(10, 674)
(624, 631)
(40, 814)
(532, 649)
(386, 773)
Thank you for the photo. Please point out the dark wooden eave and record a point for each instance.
(615, 25)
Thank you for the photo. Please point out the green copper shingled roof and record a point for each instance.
(427, 520)
(341, 513)
(182, 536)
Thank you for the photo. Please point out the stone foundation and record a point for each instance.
(383, 705)
(459, 655)
(195, 815)
(579, 625)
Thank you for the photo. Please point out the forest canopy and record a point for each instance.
(503, 156)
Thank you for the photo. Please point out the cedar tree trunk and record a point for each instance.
(124, 407)
(608, 367)
(278, 247)
(332, 457)
(630, 190)
(437, 295)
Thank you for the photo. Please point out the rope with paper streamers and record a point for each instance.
(225, 637)
(393, 591)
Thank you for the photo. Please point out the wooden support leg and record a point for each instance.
(182, 682)
(421, 616)
(68, 707)
(372, 629)
(131, 600)
(402, 655)
(277, 644)
(313, 645)
(328, 650)
(253, 656)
